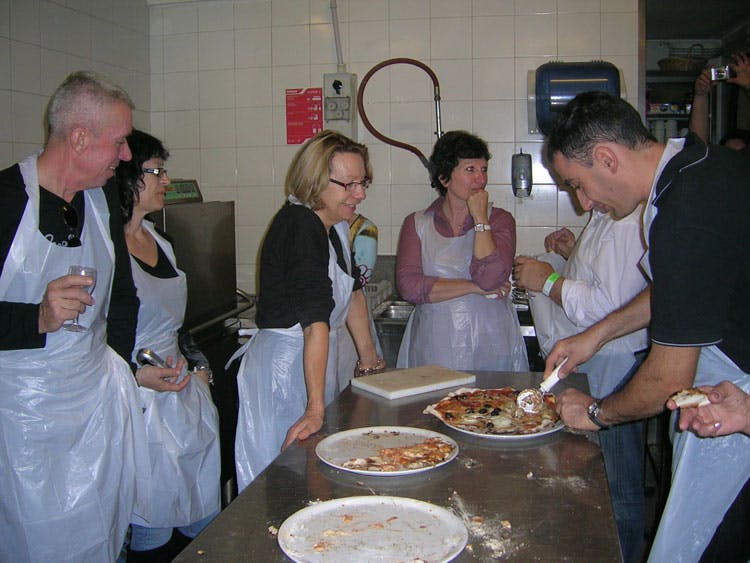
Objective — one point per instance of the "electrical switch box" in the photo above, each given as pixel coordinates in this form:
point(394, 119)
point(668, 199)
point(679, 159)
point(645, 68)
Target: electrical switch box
point(340, 103)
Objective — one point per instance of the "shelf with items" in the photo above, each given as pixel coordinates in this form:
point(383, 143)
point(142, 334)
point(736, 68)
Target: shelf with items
point(669, 100)
point(668, 111)
point(661, 76)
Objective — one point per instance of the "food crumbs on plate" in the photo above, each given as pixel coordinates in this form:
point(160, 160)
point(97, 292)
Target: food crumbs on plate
point(377, 525)
point(477, 519)
point(329, 533)
point(347, 518)
point(505, 524)
point(273, 530)
point(391, 519)
point(320, 546)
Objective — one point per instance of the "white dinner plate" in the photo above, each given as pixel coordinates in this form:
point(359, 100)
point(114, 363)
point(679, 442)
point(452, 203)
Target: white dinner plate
point(556, 427)
point(337, 449)
point(373, 529)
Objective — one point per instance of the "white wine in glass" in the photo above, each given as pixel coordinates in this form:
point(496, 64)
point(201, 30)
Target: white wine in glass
point(75, 326)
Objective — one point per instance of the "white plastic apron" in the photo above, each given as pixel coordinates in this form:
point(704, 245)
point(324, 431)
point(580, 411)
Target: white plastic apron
point(73, 444)
point(606, 369)
point(183, 427)
point(271, 380)
point(612, 363)
point(707, 473)
point(465, 333)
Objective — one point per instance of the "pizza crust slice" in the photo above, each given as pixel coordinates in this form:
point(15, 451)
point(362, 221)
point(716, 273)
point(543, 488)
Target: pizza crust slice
point(690, 398)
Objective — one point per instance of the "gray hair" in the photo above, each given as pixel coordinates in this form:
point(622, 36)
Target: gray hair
point(77, 99)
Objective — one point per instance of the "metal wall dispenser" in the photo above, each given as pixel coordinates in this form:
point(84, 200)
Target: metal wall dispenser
point(521, 179)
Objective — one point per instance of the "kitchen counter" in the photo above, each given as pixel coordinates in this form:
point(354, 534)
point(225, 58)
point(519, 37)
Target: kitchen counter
point(543, 499)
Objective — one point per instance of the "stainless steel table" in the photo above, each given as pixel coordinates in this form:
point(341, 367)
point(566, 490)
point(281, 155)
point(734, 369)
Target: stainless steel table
point(537, 499)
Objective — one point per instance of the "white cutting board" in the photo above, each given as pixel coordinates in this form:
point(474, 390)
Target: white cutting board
point(412, 381)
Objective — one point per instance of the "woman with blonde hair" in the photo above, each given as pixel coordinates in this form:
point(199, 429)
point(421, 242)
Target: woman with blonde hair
point(309, 291)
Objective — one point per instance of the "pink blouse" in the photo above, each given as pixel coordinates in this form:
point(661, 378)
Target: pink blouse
point(488, 273)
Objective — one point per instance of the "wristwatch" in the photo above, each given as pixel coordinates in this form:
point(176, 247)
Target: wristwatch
point(209, 373)
point(594, 409)
point(481, 227)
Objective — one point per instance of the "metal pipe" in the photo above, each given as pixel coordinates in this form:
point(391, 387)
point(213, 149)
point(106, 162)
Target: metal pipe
point(340, 66)
point(380, 136)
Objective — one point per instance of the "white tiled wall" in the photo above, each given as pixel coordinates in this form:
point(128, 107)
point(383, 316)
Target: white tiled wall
point(42, 41)
point(219, 70)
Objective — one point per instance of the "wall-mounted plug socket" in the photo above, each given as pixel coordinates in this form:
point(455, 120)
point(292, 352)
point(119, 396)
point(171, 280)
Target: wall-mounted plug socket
point(340, 103)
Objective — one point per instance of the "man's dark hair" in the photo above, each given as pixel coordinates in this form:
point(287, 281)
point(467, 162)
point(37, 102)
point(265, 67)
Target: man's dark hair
point(448, 150)
point(592, 118)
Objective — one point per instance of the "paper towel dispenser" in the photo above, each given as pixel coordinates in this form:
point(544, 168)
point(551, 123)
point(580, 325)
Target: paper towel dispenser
point(554, 84)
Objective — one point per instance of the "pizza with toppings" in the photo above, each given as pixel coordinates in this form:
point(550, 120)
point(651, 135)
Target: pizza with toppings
point(428, 453)
point(494, 412)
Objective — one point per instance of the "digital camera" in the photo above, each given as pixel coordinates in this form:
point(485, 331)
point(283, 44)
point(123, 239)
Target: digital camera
point(719, 72)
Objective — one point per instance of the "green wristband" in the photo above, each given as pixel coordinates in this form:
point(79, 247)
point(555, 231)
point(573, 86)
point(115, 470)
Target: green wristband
point(553, 277)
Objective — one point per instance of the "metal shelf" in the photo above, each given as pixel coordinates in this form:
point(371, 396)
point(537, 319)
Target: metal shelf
point(661, 77)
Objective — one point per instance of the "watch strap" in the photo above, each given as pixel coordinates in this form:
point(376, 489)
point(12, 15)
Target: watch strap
point(594, 410)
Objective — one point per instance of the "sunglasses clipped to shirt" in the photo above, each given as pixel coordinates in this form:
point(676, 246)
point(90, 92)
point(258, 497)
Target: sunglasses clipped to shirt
point(70, 218)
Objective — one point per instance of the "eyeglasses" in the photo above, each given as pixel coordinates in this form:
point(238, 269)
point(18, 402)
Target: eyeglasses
point(160, 172)
point(364, 184)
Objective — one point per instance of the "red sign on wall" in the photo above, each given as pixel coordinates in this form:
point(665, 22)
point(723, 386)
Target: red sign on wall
point(304, 114)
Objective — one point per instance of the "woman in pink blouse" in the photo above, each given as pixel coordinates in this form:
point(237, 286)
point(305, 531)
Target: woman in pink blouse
point(454, 261)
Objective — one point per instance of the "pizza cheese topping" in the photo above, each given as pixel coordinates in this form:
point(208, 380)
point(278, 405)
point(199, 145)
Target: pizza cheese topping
point(427, 453)
point(493, 411)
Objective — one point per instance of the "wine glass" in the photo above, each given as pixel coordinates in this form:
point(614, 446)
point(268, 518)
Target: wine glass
point(75, 326)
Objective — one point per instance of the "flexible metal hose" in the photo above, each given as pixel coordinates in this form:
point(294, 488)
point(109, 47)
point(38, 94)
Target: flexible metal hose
point(380, 136)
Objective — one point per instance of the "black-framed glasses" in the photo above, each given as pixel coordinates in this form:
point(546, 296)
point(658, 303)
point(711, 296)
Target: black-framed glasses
point(364, 184)
point(160, 172)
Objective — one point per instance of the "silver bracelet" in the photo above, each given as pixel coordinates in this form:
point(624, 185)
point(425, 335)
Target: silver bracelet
point(379, 366)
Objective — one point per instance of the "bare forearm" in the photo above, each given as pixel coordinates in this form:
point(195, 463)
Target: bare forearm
point(667, 370)
point(699, 116)
point(358, 322)
point(315, 361)
point(631, 317)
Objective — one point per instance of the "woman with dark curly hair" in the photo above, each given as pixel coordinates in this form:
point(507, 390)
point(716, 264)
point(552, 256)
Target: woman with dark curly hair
point(454, 261)
point(182, 423)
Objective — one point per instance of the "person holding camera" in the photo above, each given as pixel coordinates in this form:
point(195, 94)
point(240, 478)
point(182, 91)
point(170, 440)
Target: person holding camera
point(738, 139)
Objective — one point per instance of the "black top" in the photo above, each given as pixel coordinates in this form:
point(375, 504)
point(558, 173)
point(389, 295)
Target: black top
point(699, 252)
point(19, 322)
point(163, 268)
point(294, 283)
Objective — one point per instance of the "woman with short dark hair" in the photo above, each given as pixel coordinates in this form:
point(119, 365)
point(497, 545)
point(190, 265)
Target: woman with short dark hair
point(182, 423)
point(454, 261)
